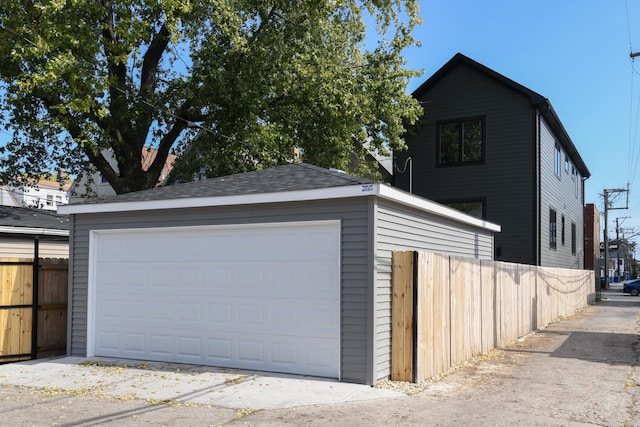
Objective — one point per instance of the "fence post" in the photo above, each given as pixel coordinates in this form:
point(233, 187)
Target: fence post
point(402, 317)
point(34, 313)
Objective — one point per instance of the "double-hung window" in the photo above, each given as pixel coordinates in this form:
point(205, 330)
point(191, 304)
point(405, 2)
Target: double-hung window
point(558, 160)
point(553, 229)
point(474, 208)
point(461, 142)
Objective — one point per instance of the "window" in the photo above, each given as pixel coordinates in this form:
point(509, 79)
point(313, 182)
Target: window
point(552, 229)
point(461, 142)
point(562, 229)
point(49, 199)
point(573, 238)
point(558, 161)
point(566, 164)
point(474, 209)
point(576, 182)
point(103, 180)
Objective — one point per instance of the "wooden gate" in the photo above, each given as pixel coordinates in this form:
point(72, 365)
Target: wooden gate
point(23, 335)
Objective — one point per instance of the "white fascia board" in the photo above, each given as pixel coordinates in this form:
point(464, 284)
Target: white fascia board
point(34, 231)
point(380, 190)
point(434, 208)
point(246, 199)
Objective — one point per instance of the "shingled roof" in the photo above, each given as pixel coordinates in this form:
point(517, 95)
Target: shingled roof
point(18, 218)
point(291, 177)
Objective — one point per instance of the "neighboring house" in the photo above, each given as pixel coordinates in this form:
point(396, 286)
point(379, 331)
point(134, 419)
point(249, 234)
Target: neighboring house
point(91, 184)
point(45, 194)
point(621, 256)
point(7, 198)
point(286, 269)
point(19, 228)
point(498, 151)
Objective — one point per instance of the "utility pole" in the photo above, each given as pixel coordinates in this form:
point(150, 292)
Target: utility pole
point(619, 246)
point(606, 229)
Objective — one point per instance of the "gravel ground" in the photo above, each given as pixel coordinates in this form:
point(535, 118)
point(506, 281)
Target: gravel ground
point(582, 371)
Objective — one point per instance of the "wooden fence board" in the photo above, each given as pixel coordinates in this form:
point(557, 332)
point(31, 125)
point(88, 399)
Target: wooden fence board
point(402, 317)
point(16, 288)
point(487, 278)
point(16, 323)
point(52, 307)
point(466, 306)
point(475, 299)
point(426, 321)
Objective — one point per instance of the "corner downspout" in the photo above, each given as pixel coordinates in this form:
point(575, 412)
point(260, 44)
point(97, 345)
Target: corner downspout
point(538, 139)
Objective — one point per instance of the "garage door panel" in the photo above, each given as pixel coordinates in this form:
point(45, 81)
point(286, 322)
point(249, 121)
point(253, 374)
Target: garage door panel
point(249, 351)
point(134, 343)
point(161, 345)
point(109, 342)
point(265, 298)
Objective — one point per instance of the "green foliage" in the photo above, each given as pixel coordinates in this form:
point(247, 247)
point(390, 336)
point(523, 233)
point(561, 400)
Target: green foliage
point(229, 85)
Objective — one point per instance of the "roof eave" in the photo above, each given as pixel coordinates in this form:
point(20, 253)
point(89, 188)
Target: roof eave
point(35, 231)
point(550, 115)
point(377, 189)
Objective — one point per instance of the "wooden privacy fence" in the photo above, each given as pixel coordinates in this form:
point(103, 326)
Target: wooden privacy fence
point(446, 309)
point(20, 339)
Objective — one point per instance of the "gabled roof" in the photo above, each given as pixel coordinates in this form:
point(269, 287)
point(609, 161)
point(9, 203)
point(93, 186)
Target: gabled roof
point(17, 220)
point(290, 183)
point(537, 100)
point(292, 177)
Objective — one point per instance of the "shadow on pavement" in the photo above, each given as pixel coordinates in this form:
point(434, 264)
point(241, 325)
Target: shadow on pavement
point(605, 347)
point(623, 301)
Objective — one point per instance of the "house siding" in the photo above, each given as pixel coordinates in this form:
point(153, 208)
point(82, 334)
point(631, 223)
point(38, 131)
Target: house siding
point(509, 152)
point(23, 248)
point(401, 228)
point(558, 193)
point(355, 262)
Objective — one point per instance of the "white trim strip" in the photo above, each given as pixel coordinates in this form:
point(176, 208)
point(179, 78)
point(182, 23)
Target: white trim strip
point(408, 199)
point(33, 231)
point(381, 190)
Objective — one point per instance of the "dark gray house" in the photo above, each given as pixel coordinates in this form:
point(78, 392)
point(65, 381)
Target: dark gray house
point(285, 269)
point(498, 151)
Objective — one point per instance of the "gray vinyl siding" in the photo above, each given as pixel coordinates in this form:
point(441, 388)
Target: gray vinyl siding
point(355, 262)
point(400, 228)
point(506, 179)
point(559, 194)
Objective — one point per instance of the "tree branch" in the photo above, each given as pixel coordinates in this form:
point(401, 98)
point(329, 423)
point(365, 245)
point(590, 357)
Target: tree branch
point(152, 59)
point(148, 81)
point(167, 141)
point(117, 73)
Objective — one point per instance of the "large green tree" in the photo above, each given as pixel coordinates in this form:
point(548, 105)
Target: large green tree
point(229, 85)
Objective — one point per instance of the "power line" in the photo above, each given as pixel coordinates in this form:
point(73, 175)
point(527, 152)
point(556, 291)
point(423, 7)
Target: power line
point(633, 150)
point(628, 24)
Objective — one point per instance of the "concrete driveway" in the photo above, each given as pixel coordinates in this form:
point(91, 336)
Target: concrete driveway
point(180, 383)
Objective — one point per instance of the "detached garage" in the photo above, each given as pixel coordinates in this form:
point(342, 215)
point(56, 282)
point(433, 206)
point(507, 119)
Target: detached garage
point(285, 270)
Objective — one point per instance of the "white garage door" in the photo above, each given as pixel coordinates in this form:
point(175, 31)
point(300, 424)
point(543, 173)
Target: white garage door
point(263, 297)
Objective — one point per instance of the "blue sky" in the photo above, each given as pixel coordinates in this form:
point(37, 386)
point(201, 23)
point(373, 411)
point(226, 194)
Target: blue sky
point(573, 52)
